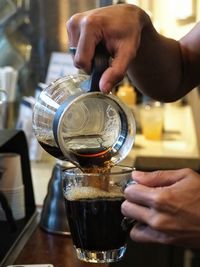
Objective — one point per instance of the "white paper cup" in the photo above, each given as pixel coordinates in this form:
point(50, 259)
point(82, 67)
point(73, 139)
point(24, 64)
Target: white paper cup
point(3, 108)
point(11, 173)
point(16, 202)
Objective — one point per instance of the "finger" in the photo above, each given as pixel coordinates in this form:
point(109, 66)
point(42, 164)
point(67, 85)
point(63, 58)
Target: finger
point(110, 78)
point(146, 196)
point(116, 72)
point(159, 177)
point(160, 221)
point(134, 211)
point(143, 233)
point(85, 53)
point(89, 38)
point(73, 30)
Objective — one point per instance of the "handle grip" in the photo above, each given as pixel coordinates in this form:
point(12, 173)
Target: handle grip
point(99, 65)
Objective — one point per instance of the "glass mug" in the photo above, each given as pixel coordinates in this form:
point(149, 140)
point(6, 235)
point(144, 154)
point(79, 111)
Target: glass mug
point(93, 206)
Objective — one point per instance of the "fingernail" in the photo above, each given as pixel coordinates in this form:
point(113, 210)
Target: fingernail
point(106, 88)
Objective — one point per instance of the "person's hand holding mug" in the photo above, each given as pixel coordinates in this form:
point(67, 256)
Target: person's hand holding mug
point(166, 205)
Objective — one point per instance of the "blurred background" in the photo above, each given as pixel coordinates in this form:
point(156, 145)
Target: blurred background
point(33, 35)
point(34, 48)
point(30, 30)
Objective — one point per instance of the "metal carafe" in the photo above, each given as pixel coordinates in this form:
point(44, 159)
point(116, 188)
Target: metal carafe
point(53, 216)
point(74, 121)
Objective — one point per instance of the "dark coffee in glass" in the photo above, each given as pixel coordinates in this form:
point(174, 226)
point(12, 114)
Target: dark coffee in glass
point(94, 213)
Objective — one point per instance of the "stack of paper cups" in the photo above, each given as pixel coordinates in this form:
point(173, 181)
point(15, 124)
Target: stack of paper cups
point(9, 77)
point(11, 185)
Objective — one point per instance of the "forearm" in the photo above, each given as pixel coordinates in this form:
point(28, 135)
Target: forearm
point(190, 48)
point(160, 67)
point(157, 68)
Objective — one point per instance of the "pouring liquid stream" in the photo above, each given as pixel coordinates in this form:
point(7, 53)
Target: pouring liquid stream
point(90, 160)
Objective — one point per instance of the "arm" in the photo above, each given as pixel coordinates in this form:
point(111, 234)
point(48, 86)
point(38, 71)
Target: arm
point(164, 68)
point(158, 66)
point(190, 47)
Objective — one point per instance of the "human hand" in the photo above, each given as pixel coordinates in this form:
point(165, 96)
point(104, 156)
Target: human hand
point(119, 27)
point(166, 205)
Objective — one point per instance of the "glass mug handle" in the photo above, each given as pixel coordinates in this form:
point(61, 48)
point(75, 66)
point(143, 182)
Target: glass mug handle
point(128, 223)
point(129, 181)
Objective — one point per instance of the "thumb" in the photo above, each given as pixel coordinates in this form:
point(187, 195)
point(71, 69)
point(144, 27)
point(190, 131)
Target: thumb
point(159, 177)
point(110, 78)
point(116, 71)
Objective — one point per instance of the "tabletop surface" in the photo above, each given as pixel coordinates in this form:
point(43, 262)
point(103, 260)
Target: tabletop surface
point(46, 248)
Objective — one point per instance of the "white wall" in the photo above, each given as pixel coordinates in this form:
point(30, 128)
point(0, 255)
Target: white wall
point(165, 13)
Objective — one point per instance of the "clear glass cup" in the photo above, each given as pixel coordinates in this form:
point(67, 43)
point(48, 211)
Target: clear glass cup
point(93, 206)
point(152, 120)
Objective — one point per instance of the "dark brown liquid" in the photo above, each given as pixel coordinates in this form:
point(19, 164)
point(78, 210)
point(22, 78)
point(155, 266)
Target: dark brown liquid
point(87, 159)
point(96, 224)
point(90, 161)
point(52, 150)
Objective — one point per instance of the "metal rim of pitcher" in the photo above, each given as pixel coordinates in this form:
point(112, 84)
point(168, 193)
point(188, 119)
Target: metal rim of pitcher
point(57, 122)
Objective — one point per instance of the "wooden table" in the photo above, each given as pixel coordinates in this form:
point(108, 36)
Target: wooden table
point(47, 248)
point(43, 248)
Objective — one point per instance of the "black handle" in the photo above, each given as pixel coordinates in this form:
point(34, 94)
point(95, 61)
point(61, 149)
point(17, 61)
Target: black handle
point(99, 65)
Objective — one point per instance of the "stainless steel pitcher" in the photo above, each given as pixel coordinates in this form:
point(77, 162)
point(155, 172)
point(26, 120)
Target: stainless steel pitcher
point(74, 121)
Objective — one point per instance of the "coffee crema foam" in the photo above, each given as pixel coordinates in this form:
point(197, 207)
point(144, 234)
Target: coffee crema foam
point(78, 193)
